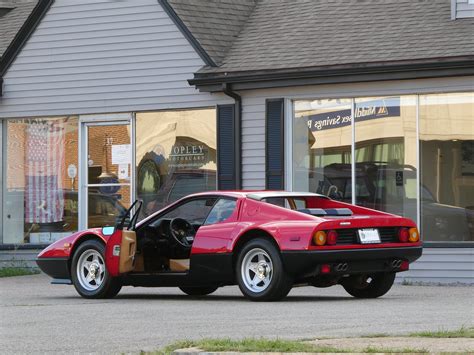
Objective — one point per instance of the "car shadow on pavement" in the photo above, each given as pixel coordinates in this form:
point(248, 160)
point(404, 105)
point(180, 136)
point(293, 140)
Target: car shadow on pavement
point(212, 298)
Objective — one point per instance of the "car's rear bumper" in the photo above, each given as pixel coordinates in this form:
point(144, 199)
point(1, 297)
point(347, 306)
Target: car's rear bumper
point(308, 262)
point(57, 268)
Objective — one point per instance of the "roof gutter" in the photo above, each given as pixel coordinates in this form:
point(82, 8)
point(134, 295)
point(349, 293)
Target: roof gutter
point(227, 89)
point(362, 72)
point(22, 37)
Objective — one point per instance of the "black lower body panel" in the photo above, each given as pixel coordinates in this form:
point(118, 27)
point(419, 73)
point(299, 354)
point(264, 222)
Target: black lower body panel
point(358, 260)
point(204, 270)
point(57, 268)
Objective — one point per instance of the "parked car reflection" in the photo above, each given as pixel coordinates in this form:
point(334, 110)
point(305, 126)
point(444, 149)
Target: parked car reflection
point(377, 188)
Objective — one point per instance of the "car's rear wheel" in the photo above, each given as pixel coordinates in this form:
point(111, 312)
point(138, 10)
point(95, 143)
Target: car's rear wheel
point(198, 291)
point(89, 273)
point(260, 272)
point(369, 286)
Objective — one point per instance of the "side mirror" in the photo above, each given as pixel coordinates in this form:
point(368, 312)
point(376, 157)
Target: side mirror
point(108, 230)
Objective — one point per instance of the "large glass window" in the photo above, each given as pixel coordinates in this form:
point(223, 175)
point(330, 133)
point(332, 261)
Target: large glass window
point(386, 160)
point(175, 154)
point(447, 166)
point(322, 147)
point(385, 154)
point(40, 179)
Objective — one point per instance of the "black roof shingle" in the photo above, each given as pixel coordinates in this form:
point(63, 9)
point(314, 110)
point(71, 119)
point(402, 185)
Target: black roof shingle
point(215, 24)
point(13, 20)
point(308, 33)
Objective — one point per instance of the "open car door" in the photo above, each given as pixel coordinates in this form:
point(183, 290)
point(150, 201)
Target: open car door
point(122, 244)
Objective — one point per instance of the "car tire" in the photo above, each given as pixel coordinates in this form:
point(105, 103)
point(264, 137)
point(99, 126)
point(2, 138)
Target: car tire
point(198, 291)
point(260, 273)
point(89, 274)
point(369, 286)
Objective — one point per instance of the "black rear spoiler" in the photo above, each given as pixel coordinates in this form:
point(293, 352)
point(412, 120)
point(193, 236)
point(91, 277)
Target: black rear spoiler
point(320, 212)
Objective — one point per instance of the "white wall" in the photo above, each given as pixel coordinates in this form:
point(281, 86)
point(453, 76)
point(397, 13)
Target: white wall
point(96, 56)
point(442, 265)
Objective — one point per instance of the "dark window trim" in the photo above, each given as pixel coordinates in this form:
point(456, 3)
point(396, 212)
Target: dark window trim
point(22, 36)
point(187, 33)
point(234, 150)
point(282, 148)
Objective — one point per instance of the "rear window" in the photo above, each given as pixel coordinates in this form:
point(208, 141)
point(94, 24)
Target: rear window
point(292, 203)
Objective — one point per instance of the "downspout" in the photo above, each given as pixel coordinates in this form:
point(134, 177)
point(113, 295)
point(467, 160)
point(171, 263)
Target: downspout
point(227, 89)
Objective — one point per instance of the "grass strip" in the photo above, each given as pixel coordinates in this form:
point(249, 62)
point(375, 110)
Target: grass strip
point(462, 332)
point(248, 345)
point(371, 350)
point(267, 345)
point(17, 271)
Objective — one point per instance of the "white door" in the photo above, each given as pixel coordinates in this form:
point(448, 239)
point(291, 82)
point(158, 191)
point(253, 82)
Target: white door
point(106, 172)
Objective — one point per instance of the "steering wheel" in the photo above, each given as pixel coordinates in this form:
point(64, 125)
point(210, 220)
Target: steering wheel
point(182, 232)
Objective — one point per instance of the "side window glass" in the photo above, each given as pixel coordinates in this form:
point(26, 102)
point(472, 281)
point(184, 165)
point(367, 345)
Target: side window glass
point(222, 210)
point(194, 211)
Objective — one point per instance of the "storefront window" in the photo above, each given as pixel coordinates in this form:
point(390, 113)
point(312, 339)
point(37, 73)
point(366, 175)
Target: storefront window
point(447, 166)
point(386, 162)
point(40, 179)
point(175, 155)
point(322, 147)
point(385, 154)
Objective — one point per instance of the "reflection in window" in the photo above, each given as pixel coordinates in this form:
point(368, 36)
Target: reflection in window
point(175, 154)
point(385, 154)
point(222, 210)
point(447, 166)
point(322, 147)
point(40, 196)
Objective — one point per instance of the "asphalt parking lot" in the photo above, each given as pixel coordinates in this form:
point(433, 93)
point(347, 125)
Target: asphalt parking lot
point(37, 317)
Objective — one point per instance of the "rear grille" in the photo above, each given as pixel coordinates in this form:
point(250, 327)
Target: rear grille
point(349, 236)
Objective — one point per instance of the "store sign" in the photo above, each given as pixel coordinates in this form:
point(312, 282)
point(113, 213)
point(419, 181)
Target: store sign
point(368, 110)
point(189, 155)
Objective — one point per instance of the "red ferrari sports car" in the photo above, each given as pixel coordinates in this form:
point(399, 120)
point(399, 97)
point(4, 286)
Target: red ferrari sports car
point(264, 241)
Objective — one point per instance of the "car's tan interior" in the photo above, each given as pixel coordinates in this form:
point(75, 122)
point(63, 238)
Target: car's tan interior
point(179, 265)
point(139, 263)
point(128, 248)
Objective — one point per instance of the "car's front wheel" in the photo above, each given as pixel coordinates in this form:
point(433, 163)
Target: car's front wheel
point(89, 273)
point(260, 272)
point(369, 286)
point(198, 291)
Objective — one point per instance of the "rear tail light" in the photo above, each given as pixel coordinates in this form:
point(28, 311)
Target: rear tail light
point(414, 235)
point(332, 237)
point(319, 238)
point(403, 235)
